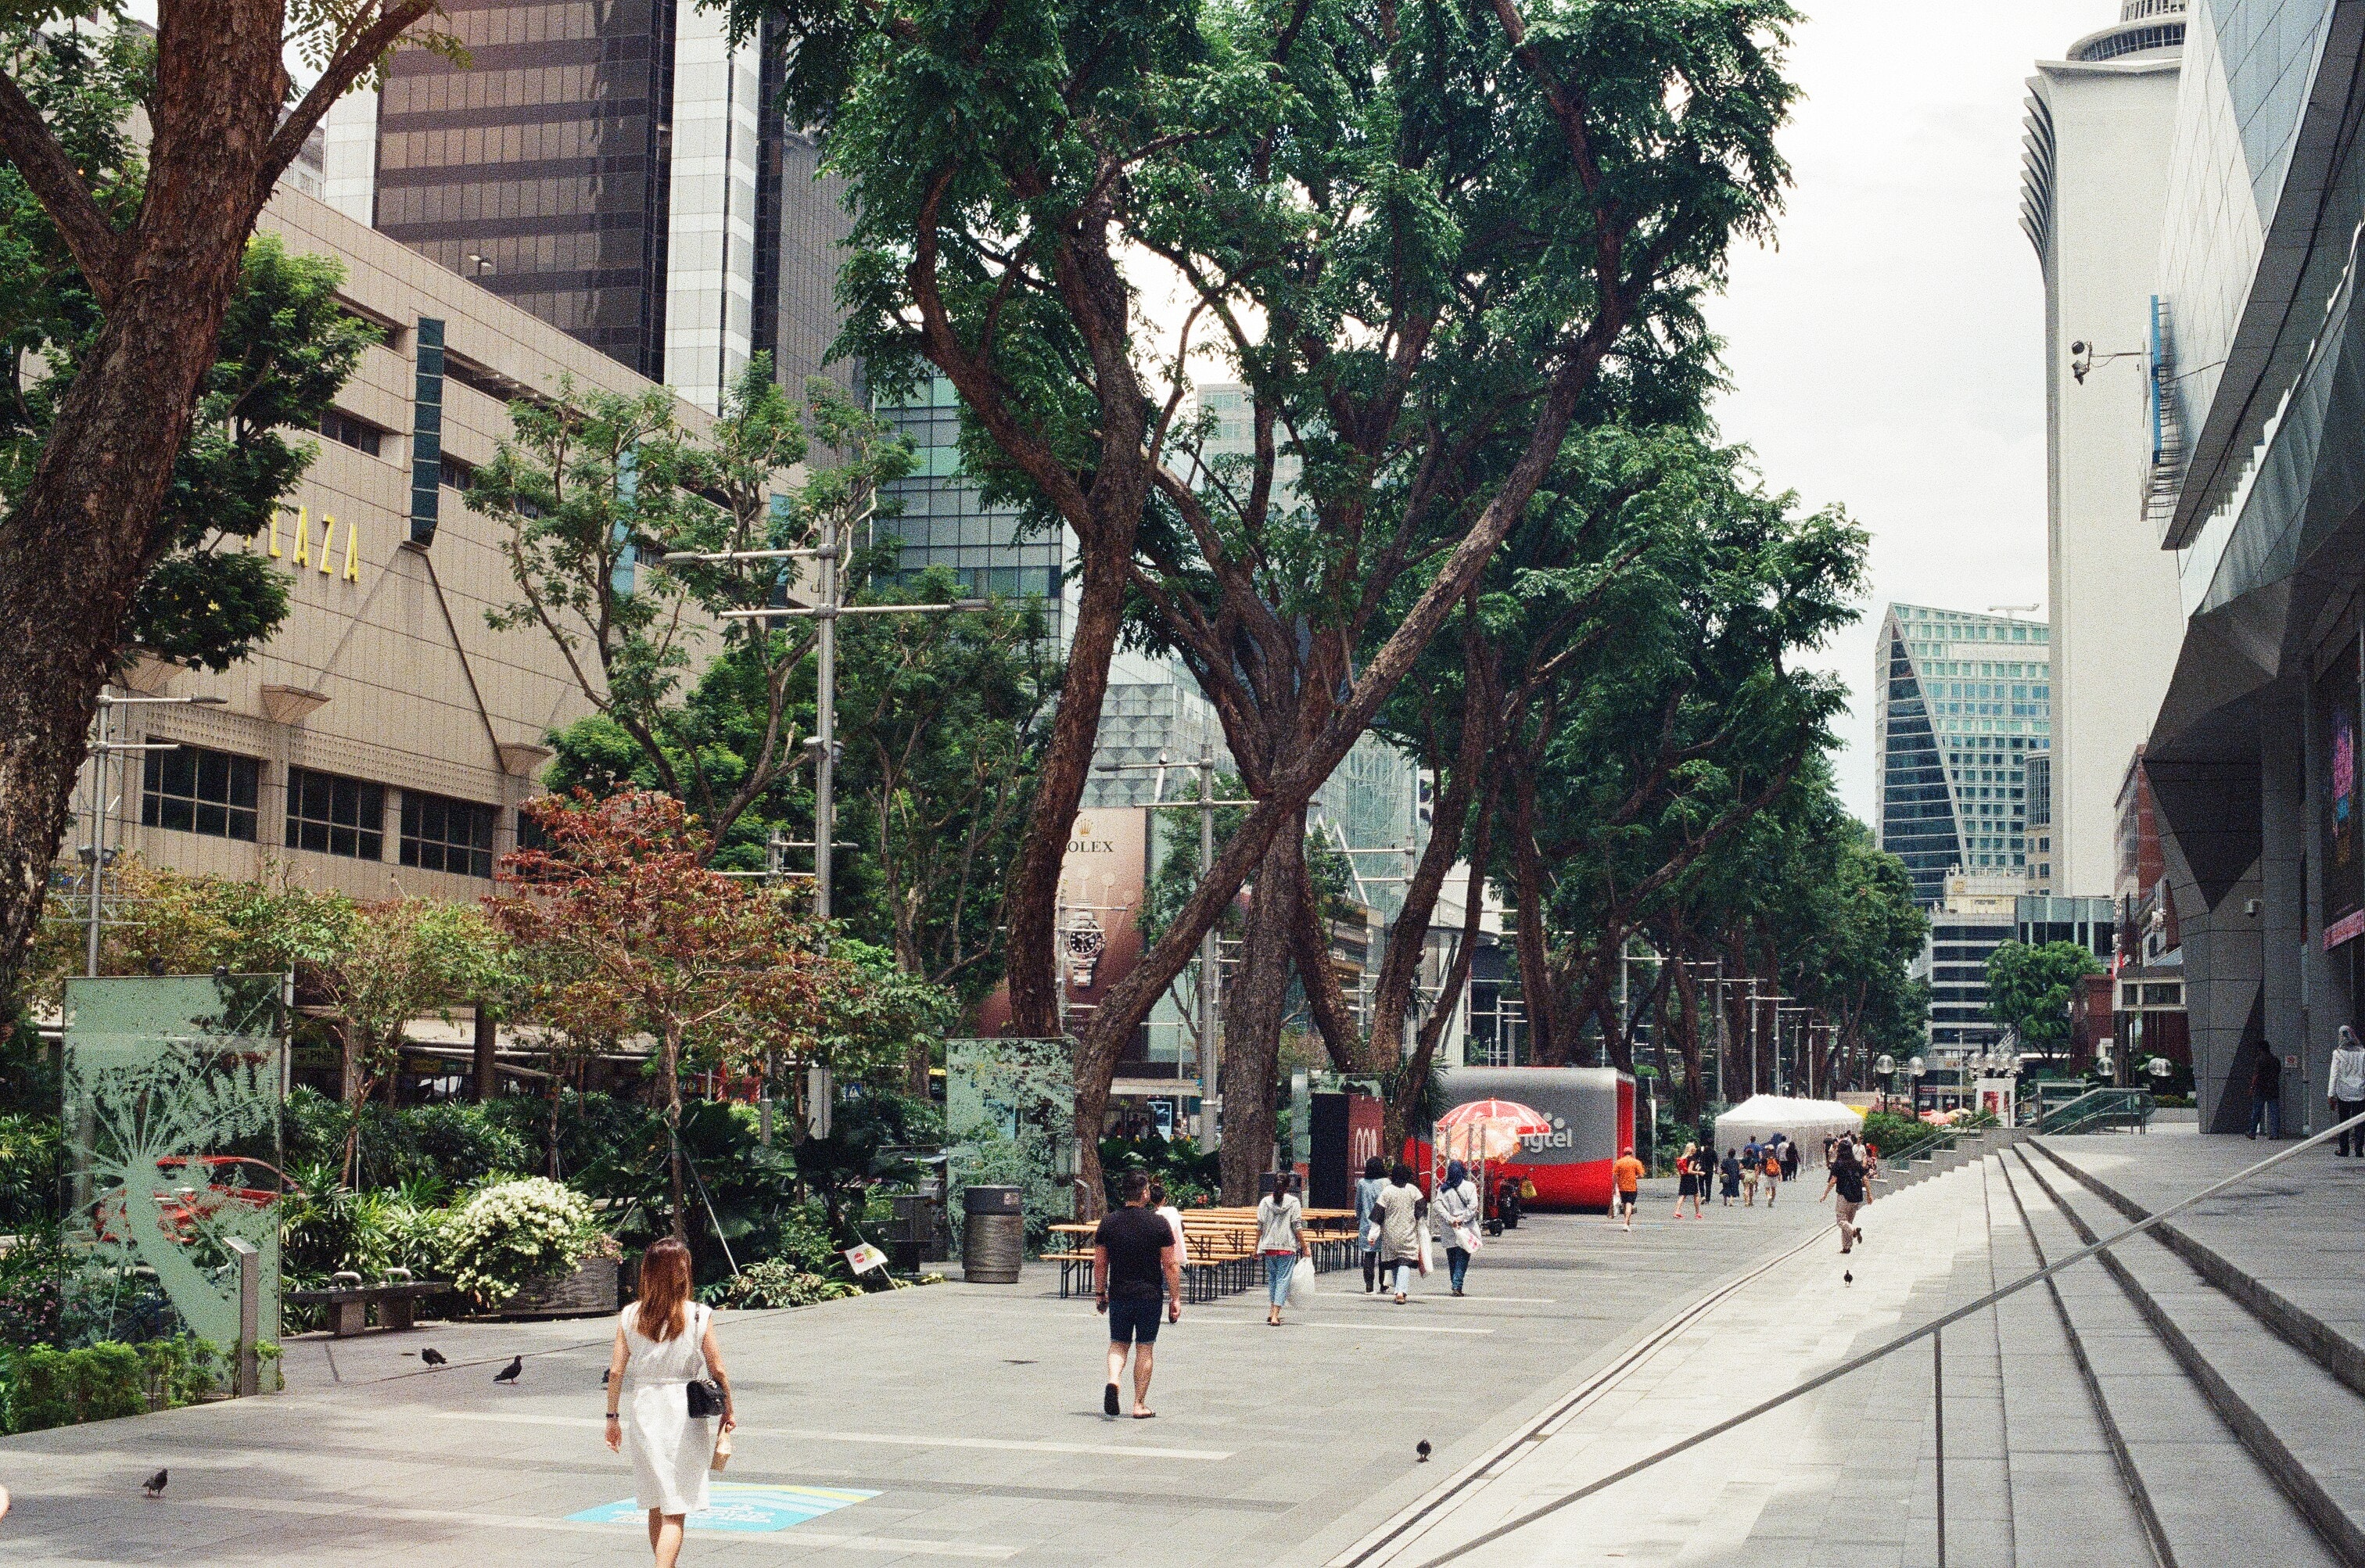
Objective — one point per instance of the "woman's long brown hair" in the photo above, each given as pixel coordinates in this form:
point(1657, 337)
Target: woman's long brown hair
point(665, 1289)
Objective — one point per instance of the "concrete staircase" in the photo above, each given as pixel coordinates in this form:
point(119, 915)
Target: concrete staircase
point(1968, 1149)
point(2162, 1405)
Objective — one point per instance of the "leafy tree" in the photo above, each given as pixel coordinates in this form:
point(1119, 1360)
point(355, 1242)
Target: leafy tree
point(2030, 988)
point(628, 935)
point(595, 488)
point(89, 519)
point(1410, 234)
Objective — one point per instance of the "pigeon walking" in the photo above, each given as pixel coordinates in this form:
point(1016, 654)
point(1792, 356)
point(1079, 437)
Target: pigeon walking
point(1848, 1278)
point(433, 1357)
point(510, 1373)
point(1420, 1450)
point(154, 1484)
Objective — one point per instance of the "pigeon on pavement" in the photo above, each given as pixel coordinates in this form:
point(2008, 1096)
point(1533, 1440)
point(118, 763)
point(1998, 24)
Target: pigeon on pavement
point(433, 1357)
point(1421, 1449)
point(1847, 1277)
point(154, 1484)
point(510, 1373)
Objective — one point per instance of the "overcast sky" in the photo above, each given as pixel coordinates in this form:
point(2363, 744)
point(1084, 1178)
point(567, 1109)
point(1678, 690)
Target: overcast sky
point(1887, 353)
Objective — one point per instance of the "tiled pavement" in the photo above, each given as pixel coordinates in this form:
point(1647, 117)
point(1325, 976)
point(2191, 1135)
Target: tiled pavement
point(972, 1412)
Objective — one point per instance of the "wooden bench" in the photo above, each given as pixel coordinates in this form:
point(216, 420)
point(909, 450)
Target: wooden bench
point(349, 1304)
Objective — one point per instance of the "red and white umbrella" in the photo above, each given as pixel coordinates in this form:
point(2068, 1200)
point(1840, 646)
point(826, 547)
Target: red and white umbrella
point(1489, 1129)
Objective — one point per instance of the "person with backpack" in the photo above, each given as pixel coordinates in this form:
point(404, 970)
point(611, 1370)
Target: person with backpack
point(1689, 1175)
point(1847, 1178)
point(1752, 1166)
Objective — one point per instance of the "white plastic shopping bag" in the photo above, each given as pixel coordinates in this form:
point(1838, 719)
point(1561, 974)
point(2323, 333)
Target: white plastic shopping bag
point(1301, 1282)
point(1426, 1261)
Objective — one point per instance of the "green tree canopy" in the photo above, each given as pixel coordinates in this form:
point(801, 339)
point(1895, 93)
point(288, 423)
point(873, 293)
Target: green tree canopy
point(2030, 988)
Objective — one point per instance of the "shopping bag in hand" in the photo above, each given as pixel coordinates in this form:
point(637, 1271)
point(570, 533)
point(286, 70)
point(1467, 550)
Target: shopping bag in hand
point(1426, 1264)
point(721, 1452)
point(1301, 1282)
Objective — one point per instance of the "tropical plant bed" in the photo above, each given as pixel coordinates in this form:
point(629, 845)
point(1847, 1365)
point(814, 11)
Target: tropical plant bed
point(588, 1290)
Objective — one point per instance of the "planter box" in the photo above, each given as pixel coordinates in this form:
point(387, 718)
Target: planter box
point(588, 1291)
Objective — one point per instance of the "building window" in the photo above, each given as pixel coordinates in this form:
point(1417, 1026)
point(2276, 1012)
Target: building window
point(334, 816)
point(347, 431)
point(193, 789)
point(442, 834)
point(453, 473)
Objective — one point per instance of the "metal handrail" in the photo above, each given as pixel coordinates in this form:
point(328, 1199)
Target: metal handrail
point(1930, 1330)
point(2096, 1105)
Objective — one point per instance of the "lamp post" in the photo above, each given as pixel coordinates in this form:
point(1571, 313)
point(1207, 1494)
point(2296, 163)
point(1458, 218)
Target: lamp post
point(1885, 1065)
point(1914, 1067)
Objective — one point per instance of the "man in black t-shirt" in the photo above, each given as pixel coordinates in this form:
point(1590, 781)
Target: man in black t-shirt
point(1134, 1274)
point(1847, 1177)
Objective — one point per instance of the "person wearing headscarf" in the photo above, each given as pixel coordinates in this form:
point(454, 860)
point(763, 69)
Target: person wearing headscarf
point(1457, 1206)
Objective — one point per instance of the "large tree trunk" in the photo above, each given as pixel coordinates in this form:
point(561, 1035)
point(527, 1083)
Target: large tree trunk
point(1252, 1020)
point(1310, 935)
point(1449, 994)
point(1545, 1044)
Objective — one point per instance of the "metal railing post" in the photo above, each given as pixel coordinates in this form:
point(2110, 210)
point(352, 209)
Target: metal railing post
point(1938, 1412)
point(246, 1374)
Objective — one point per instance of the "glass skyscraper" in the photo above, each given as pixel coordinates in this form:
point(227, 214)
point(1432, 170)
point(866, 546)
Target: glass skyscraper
point(1962, 700)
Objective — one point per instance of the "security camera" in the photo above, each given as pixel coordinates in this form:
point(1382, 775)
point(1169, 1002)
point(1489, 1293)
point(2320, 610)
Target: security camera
point(2081, 360)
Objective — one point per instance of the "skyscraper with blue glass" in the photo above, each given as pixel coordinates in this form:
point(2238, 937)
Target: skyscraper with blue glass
point(1961, 701)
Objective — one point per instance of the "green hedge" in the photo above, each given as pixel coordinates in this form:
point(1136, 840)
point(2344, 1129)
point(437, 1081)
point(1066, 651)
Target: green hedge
point(45, 1386)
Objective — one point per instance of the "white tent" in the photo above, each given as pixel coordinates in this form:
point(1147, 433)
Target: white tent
point(1806, 1122)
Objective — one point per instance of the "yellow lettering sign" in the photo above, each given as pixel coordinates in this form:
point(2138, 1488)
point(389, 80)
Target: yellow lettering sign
point(303, 538)
point(352, 553)
point(328, 531)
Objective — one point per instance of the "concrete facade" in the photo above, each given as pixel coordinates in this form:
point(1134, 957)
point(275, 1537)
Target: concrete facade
point(2094, 193)
point(384, 672)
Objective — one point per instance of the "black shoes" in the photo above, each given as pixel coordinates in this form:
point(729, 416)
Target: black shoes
point(1108, 1400)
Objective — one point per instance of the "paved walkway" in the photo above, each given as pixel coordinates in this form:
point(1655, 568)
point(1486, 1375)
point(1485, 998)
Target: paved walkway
point(955, 1422)
point(1840, 1476)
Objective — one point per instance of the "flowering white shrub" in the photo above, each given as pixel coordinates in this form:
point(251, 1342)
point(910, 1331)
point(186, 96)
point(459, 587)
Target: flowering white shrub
point(510, 1233)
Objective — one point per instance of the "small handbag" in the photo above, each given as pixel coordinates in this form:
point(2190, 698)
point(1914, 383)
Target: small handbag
point(722, 1453)
point(705, 1398)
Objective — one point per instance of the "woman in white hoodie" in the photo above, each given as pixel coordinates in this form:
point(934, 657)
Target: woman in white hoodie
point(2346, 1088)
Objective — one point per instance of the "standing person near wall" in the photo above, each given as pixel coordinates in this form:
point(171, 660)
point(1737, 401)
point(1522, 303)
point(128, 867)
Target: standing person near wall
point(2347, 1087)
point(1399, 1211)
point(1367, 1225)
point(1457, 1205)
point(1281, 1242)
point(2267, 1093)
point(1134, 1273)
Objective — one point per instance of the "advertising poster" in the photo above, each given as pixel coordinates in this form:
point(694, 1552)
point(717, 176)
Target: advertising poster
point(2336, 716)
point(1101, 879)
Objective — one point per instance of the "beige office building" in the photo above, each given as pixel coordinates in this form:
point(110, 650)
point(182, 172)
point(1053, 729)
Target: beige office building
point(383, 738)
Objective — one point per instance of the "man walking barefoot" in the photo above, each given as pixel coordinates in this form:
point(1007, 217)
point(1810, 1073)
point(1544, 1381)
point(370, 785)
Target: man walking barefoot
point(1134, 1274)
point(1627, 1175)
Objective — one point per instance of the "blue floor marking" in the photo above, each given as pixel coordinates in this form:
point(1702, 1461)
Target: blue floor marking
point(739, 1506)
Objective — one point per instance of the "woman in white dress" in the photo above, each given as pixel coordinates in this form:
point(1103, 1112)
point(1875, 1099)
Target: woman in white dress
point(664, 1342)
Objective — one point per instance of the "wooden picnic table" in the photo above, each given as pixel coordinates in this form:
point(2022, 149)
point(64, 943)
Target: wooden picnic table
point(1220, 1243)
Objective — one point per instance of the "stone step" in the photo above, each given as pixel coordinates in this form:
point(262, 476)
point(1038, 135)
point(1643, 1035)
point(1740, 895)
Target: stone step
point(2214, 1502)
point(2075, 1501)
point(2298, 1421)
point(2335, 1346)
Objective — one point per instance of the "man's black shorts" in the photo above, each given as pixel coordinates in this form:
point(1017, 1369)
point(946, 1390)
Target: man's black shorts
point(1135, 1321)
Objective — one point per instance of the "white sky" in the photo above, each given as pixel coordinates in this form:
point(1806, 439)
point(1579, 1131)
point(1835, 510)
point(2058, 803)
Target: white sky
point(1887, 354)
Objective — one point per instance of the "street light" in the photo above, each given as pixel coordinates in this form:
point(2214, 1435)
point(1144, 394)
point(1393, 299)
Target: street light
point(1914, 1069)
point(1885, 1065)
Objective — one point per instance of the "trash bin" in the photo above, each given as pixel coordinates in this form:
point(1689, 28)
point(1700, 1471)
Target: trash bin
point(993, 1235)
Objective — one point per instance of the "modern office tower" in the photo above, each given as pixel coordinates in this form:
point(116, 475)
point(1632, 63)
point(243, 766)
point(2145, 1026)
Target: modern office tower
point(618, 171)
point(2094, 196)
point(2038, 768)
point(1961, 700)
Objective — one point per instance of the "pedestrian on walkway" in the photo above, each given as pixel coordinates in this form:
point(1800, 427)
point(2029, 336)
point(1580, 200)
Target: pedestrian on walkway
point(2347, 1087)
point(2267, 1093)
point(1690, 1173)
point(1752, 1166)
point(1281, 1241)
point(1134, 1274)
point(1457, 1207)
point(1847, 1177)
point(1772, 1174)
point(1627, 1176)
point(1173, 1218)
point(665, 1342)
point(1399, 1210)
point(1731, 1171)
point(1367, 1226)
point(1790, 1158)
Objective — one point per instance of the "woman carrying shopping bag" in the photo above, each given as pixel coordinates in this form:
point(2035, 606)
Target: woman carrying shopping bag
point(1402, 1234)
point(1281, 1239)
point(1457, 1207)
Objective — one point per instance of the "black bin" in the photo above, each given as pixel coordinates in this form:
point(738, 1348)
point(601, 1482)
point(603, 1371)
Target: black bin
point(993, 1235)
